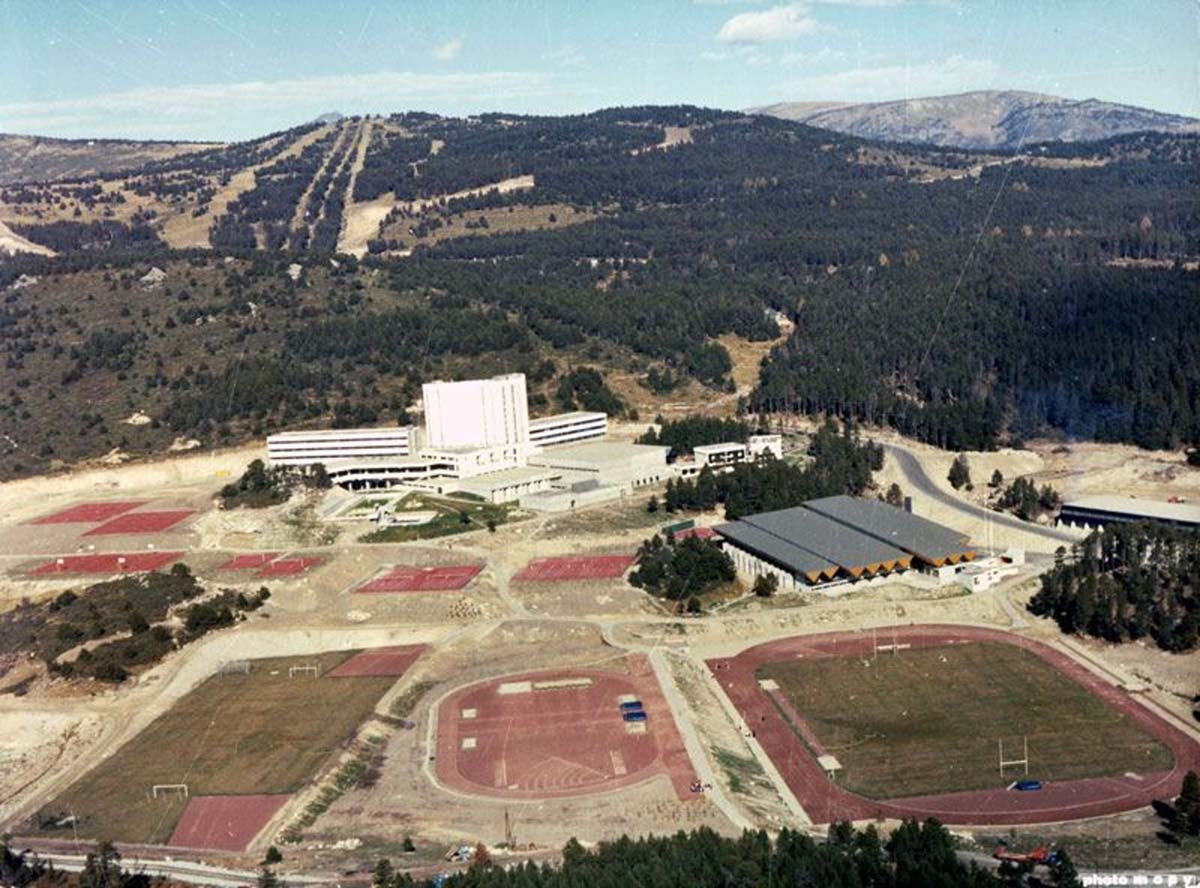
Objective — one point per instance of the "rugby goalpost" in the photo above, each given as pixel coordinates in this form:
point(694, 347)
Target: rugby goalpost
point(308, 669)
point(1022, 762)
point(160, 789)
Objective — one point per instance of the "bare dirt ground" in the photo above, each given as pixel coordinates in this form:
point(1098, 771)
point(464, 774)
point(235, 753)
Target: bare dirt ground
point(356, 165)
point(362, 219)
point(344, 133)
point(11, 242)
point(184, 230)
point(672, 136)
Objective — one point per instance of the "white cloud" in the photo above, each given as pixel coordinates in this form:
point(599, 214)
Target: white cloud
point(887, 82)
point(448, 51)
point(210, 110)
point(769, 25)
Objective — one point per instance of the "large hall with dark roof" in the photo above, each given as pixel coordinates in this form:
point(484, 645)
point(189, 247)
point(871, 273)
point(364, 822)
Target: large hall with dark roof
point(838, 539)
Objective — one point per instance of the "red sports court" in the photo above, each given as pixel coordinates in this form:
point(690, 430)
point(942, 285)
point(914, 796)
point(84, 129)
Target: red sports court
point(583, 567)
point(386, 661)
point(249, 561)
point(423, 579)
point(89, 513)
point(286, 567)
point(559, 733)
point(141, 522)
point(108, 563)
point(224, 823)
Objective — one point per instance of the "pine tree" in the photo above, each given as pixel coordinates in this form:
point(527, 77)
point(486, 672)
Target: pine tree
point(102, 869)
point(1187, 806)
point(383, 874)
point(960, 472)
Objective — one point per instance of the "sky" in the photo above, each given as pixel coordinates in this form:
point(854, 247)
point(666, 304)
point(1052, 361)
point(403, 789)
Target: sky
point(226, 69)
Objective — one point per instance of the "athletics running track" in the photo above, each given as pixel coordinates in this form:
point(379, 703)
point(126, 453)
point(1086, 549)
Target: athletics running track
point(1057, 801)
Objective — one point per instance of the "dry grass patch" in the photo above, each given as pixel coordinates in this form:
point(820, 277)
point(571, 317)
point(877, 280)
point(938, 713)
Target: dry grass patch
point(237, 734)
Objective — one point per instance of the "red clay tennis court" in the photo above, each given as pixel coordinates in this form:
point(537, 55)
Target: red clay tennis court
point(385, 661)
point(224, 823)
point(253, 561)
point(560, 733)
point(89, 513)
point(702, 533)
point(422, 579)
point(134, 562)
point(141, 522)
point(583, 567)
point(286, 567)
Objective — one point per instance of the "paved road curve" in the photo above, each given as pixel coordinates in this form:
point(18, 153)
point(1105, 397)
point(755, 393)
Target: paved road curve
point(919, 480)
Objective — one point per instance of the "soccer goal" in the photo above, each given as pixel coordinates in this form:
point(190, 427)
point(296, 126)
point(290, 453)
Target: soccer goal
point(234, 667)
point(293, 671)
point(162, 789)
point(1022, 762)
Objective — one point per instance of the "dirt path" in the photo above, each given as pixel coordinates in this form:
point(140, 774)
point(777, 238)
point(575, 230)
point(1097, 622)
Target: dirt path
point(185, 230)
point(302, 204)
point(356, 165)
point(11, 242)
point(672, 136)
point(362, 220)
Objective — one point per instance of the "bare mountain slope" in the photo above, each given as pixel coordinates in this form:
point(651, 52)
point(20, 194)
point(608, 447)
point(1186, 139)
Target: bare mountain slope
point(39, 159)
point(988, 119)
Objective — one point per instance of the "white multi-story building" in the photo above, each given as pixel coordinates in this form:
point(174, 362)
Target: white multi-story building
point(567, 428)
point(478, 439)
point(477, 413)
point(760, 444)
point(719, 456)
point(304, 448)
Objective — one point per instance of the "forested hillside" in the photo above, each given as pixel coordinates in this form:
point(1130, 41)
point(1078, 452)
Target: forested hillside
point(967, 299)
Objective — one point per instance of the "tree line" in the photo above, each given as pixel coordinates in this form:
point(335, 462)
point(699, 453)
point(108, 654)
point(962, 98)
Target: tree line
point(916, 855)
point(1127, 582)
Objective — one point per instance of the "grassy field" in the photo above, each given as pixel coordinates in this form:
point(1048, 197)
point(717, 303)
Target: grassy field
point(928, 721)
point(260, 732)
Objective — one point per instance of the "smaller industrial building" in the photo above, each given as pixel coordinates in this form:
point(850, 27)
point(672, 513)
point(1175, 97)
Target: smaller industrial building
point(608, 462)
point(839, 539)
point(1095, 512)
point(722, 457)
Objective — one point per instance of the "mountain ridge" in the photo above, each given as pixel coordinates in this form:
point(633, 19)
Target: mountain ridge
point(982, 119)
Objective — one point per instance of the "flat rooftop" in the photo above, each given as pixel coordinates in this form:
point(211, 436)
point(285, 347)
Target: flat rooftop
point(344, 434)
point(504, 477)
point(1185, 513)
point(573, 416)
point(595, 452)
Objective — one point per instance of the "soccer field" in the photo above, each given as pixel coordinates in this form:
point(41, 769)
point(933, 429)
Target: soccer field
point(929, 720)
point(236, 734)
